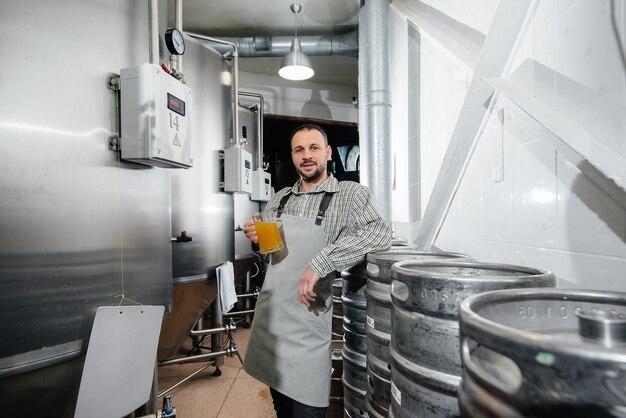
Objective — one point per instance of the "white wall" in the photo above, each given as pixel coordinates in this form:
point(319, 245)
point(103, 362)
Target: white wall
point(545, 212)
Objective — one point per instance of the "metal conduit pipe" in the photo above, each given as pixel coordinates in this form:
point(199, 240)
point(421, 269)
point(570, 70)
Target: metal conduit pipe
point(225, 328)
point(259, 125)
point(179, 26)
point(277, 46)
point(153, 31)
point(199, 357)
point(171, 388)
point(248, 295)
point(249, 311)
point(375, 104)
point(235, 55)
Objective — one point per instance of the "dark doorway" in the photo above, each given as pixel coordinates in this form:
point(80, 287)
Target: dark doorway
point(343, 138)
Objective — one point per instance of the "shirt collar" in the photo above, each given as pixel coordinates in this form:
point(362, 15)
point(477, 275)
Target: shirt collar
point(330, 185)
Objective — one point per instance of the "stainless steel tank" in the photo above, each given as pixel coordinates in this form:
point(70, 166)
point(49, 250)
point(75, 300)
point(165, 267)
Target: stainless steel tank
point(424, 349)
point(87, 227)
point(81, 227)
point(199, 207)
point(378, 319)
point(543, 353)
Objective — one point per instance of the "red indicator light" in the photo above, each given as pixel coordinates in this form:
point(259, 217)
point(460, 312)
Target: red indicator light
point(175, 104)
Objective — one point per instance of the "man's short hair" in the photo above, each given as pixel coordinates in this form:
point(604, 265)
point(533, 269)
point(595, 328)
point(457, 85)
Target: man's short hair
point(309, 127)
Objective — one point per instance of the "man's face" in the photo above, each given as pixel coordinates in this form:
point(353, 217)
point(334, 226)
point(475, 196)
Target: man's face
point(309, 154)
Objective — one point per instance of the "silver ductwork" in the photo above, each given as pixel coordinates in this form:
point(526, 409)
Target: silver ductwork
point(375, 104)
point(277, 46)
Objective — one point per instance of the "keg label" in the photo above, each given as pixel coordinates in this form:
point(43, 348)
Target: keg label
point(526, 312)
point(396, 393)
point(444, 296)
point(370, 321)
point(539, 312)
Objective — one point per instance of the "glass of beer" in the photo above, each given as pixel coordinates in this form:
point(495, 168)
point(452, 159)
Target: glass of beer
point(269, 232)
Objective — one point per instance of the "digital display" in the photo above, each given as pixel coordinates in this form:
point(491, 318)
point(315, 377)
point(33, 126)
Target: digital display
point(267, 181)
point(175, 104)
point(247, 164)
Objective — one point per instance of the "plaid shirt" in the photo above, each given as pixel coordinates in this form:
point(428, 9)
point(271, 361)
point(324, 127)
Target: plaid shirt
point(352, 225)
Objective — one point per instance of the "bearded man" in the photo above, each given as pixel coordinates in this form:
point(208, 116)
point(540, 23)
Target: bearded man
point(328, 226)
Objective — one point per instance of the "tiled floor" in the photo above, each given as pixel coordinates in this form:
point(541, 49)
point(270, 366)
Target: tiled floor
point(234, 394)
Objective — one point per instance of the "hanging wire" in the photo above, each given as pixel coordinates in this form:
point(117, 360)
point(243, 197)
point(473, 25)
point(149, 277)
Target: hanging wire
point(121, 295)
point(295, 24)
point(295, 8)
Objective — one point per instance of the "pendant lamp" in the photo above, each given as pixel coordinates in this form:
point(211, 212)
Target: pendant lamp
point(296, 65)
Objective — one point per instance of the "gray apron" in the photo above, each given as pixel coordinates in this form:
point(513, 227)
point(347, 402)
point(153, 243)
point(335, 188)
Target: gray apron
point(289, 347)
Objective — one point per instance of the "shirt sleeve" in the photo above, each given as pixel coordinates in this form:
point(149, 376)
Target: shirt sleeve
point(364, 232)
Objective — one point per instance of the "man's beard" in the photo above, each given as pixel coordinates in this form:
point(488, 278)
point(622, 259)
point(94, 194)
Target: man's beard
point(314, 176)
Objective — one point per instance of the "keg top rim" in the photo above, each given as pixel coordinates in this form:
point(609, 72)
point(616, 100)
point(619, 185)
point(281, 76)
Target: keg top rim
point(471, 321)
point(391, 255)
point(425, 267)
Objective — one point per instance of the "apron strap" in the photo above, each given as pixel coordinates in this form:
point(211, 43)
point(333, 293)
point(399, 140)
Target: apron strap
point(323, 206)
point(281, 205)
point(321, 212)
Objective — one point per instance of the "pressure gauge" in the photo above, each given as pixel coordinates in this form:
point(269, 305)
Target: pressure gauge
point(174, 41)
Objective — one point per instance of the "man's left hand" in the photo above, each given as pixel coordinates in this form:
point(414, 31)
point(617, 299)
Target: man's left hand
point(308, 280)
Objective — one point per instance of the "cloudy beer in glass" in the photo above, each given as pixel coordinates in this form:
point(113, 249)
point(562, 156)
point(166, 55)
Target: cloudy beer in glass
point(269, 234)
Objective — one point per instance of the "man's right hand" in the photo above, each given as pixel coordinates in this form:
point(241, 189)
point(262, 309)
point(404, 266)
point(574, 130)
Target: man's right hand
point(250, 230)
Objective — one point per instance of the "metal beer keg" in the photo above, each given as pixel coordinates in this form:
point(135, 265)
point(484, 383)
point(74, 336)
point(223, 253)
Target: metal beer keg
point(355, 344)
point(401, 243)
point(354, 383)
point(354, 303)
point(335, 407)
point(378, 318)
point(424, 349)
point(337, 321)
point(543, 353)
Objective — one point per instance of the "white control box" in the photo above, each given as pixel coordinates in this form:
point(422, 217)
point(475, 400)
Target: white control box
point(261, 185)
point(237, 170)
point(155, 110)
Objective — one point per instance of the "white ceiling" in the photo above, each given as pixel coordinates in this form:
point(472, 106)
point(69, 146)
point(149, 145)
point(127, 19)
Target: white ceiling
point(238, 18)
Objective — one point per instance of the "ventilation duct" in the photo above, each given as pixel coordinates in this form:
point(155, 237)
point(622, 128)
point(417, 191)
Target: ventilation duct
point(375, 104)
point(278, 46)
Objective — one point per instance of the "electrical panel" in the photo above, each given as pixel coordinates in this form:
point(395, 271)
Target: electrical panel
point(237, 170)
point(261, 185)
point(155, 112)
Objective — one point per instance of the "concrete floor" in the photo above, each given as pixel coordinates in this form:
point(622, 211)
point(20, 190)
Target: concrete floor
point(234, 394)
